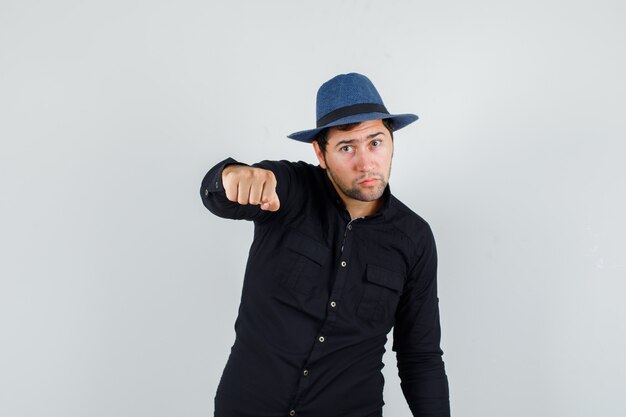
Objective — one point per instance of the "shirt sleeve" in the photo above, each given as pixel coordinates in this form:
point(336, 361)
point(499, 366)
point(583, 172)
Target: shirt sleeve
point(417, 336)
point(214, 197)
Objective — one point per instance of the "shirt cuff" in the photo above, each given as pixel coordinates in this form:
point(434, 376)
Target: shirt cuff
point(213, 180)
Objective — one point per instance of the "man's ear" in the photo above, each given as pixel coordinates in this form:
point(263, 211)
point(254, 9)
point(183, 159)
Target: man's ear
point(319, 154)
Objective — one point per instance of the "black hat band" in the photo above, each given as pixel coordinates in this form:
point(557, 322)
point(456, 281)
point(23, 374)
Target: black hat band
point(350, 111)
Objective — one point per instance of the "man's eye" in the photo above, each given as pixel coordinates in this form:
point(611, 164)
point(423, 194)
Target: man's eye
point(346, 148)
point(376, 143)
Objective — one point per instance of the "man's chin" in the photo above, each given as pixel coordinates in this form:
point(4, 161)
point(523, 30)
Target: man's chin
point(366, 196)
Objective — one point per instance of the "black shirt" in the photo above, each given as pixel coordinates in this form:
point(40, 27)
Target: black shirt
point(320, 294)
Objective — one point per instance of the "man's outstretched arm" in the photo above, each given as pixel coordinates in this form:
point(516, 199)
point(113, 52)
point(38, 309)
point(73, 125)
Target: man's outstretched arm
point(235, 190)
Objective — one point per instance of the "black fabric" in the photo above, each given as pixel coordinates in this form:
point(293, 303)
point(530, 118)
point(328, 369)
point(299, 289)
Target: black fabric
point(320, 294)
point(351, 110)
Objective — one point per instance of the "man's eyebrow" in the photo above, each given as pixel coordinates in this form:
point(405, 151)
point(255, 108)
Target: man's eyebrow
point(351, 141)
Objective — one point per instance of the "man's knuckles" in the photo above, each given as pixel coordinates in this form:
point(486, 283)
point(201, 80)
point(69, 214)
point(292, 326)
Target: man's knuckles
point(255, 174)
point(253, 181)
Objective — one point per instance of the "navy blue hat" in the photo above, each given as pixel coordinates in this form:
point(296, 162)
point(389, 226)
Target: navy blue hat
point(350, 98)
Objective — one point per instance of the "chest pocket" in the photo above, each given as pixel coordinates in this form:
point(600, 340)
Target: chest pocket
point(304, 260)
point(381, 294)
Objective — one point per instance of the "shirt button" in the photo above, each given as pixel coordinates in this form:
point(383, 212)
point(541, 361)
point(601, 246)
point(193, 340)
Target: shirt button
point(349, 227)
point(344, 263)
point(306, 372)
point(217, 184)
point(206, 192)
point(292, 413)
point(321, 339)
point(333, 304)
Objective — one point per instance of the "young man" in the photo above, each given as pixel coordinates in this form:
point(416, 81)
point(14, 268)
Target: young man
point(336, 262)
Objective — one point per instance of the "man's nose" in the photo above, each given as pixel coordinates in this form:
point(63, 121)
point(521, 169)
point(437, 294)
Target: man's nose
point(364, 161)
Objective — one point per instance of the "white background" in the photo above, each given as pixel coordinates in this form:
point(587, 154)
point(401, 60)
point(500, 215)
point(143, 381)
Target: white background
point(119, 290)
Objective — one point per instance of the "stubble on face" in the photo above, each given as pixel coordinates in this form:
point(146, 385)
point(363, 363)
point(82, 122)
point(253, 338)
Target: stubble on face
point(357, 191)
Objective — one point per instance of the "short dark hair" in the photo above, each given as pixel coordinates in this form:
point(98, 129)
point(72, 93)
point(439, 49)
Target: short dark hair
point(322, 136)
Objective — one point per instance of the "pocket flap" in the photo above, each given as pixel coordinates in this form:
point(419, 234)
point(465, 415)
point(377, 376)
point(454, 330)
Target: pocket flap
point(308, 247)
point(384, 277)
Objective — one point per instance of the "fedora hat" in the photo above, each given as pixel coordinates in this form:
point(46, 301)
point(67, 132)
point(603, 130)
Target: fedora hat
point(349, 98)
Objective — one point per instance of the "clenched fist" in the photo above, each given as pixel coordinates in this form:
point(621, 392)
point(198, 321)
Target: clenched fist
point(249, 185)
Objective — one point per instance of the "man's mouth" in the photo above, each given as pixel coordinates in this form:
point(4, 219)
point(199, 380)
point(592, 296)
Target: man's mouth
point(368, 182)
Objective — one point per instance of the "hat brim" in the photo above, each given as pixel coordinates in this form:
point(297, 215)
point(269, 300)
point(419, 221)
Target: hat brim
point(399, 121)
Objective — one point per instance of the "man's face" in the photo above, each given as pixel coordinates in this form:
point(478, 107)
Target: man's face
point(358, 161)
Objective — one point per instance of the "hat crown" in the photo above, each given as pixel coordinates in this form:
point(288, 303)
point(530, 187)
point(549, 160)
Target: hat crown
point(346, 90)
point(350, 98)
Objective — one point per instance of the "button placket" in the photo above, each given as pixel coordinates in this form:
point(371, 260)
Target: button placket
point(340, 279)
point(322, 340)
